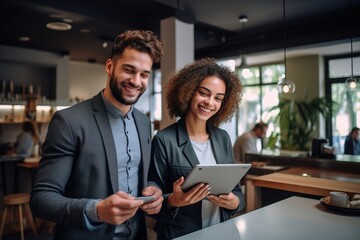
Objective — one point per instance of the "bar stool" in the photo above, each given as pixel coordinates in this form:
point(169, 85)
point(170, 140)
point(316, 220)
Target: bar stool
point(20, 200)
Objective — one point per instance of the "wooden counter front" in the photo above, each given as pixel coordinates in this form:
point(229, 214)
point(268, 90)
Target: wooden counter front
point(344, 163)
point(294, 183)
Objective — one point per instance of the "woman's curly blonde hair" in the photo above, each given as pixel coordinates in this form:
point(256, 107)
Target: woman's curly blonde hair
point(181, 88)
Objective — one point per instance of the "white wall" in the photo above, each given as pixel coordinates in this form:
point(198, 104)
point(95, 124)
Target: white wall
point(230, 127)
point(307, 72)
point(87, 79)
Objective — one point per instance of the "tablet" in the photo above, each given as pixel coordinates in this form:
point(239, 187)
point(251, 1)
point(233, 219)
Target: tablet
point(222, 178)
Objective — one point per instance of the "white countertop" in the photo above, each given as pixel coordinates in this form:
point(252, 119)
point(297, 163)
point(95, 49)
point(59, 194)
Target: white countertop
point(294, 218)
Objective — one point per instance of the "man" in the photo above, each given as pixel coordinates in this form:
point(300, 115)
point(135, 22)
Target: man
point(352, 142)
point(96, 154)
point(247, 142)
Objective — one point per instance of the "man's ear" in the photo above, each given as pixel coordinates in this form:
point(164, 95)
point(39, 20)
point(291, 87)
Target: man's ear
point(108, 66)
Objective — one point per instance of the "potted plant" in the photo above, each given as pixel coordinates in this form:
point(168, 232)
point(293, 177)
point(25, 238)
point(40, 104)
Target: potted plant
point(298, 119)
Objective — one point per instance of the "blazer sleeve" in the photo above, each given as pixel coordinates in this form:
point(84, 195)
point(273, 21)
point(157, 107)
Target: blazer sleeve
point(159, 175)
point(47, 197)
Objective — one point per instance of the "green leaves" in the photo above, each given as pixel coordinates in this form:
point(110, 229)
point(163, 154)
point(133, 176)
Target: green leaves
point(298, 119)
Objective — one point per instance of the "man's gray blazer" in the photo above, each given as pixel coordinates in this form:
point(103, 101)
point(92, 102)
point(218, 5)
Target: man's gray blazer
point(79, 163)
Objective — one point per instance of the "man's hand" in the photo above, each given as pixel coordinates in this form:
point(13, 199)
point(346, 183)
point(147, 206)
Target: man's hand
point(117, 208)
point(154, 206)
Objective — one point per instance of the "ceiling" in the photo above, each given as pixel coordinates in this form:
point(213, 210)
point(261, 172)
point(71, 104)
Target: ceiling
point(218, 33)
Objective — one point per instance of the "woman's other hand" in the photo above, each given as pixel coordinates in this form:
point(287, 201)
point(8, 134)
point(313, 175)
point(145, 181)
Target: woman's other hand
point(229, 201)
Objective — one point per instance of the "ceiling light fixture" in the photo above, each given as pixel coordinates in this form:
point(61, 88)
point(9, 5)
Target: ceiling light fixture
point(243, 63)
point(24, 39)
point(58, 26)
point(84, 30)
point(243, 19)
point(352, 82)
point(286, 86)
point(105, 41)
point(68, 20)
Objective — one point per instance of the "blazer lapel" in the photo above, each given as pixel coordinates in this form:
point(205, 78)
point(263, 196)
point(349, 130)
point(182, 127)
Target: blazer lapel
point(184, 140)
point(102, 120)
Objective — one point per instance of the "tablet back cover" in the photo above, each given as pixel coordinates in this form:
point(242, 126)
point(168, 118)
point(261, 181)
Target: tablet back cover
point(221, 177)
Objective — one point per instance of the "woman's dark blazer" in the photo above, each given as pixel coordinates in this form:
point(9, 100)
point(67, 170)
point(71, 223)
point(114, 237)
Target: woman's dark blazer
point(79, 163)
point(172, 157)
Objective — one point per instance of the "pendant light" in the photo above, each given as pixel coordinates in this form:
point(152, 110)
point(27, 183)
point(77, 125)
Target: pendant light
point(285, 86)
point(243, 19)
point(352, 83)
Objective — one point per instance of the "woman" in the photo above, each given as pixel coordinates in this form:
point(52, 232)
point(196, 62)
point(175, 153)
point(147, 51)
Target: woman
point(203, 95)
point(26, 140)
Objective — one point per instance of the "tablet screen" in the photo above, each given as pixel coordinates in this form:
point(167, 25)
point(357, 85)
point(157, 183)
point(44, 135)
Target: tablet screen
point(222, 178)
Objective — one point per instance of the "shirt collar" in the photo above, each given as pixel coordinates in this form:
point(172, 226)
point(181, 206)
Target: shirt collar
point(115, 112)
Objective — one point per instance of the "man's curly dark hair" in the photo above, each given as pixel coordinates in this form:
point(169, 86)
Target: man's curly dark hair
point(141, 40)
point(181, 89)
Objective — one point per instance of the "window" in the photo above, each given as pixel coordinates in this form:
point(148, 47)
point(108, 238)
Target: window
point(347, 112)
point(155, 113)
point(260, 94)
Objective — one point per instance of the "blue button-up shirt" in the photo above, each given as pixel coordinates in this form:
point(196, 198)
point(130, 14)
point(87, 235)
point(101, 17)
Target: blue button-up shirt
point(128, 155)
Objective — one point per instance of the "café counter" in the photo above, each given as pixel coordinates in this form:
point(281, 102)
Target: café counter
point(274, 177)
point(340, 162)
point(295, 218)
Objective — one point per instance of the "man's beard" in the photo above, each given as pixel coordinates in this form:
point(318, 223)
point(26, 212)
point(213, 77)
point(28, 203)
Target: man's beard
point(117, 92)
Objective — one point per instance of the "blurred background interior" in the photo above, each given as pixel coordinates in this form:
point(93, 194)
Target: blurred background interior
point(305, 53)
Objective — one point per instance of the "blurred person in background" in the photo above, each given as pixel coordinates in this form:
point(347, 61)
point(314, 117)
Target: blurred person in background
point(247, 142)
point(27, 141)
point(352, 142)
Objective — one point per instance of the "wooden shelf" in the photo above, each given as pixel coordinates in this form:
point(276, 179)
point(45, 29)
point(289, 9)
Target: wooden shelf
point(19, 122)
